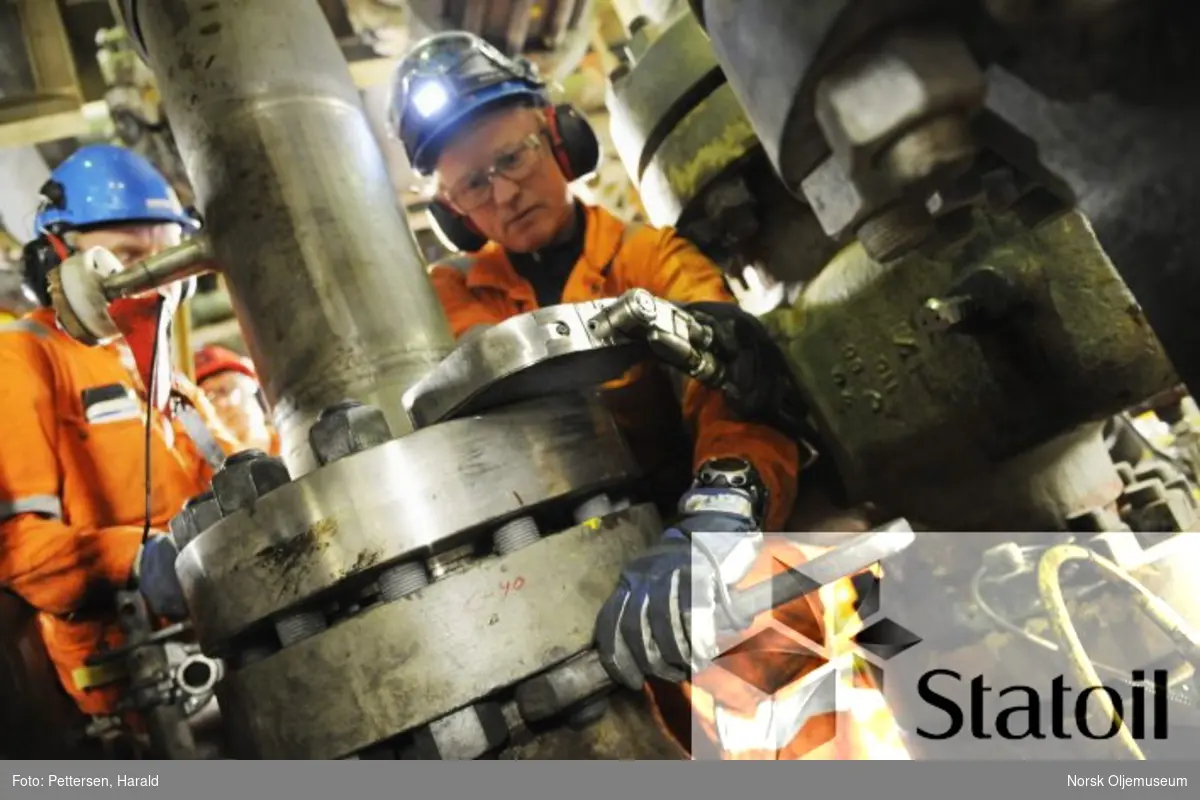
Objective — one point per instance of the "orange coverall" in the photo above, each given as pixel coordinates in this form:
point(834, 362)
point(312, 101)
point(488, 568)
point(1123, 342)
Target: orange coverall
point(483, 288)
point(72, 483)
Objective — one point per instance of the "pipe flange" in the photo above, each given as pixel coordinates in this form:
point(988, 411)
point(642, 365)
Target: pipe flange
point(676, 71)
point(709, 142)
point(438, 488)
point(496, 625)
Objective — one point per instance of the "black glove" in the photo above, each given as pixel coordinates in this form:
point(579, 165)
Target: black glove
point(760, 386)
point(666, 612)
point(154, 571)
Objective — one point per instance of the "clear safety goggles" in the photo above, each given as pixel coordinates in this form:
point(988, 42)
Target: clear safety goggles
point(516, 163)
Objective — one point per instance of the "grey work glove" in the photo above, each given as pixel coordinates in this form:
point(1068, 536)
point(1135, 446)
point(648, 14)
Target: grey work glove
point(664, 617)
point(154, 572)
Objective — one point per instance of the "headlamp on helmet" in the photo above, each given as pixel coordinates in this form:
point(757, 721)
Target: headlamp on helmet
point(446, 81)
point(430, 97)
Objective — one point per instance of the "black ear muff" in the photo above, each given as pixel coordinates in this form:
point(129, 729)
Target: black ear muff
point(38, 258)
point(576, 146)
point(453, 229)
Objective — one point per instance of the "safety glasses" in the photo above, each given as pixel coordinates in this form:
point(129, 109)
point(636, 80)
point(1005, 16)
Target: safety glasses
point(516, 163)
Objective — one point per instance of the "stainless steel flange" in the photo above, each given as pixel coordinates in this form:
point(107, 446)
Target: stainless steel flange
point(396, 666)
point(336, 529)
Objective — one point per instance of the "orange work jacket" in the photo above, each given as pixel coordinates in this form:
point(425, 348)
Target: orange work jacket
point(72, 483)
point(483, 288)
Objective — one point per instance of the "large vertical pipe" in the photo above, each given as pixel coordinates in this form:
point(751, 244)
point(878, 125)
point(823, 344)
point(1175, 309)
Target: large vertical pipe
point(325, 276)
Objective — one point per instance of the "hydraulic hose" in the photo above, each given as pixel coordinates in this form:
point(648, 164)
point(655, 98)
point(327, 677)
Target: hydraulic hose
point(1159, 612)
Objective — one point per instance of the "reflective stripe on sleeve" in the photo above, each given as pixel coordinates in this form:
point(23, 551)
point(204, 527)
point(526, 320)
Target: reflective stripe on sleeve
point(46, 504)
point(199, 433)
point(26, 326)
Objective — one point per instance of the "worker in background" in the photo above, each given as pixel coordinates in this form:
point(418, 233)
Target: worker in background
point(81, 511)
point(231, 384)
point(503, 157)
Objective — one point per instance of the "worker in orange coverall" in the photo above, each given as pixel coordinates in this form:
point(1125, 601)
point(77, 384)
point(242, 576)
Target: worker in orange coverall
point(231, 384)
point(503, 157)
point(76, 524)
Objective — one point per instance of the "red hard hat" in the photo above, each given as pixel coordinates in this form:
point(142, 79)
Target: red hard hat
point(213, 359)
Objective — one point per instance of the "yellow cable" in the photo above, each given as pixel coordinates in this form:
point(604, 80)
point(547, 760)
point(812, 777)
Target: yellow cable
point(1060, 621)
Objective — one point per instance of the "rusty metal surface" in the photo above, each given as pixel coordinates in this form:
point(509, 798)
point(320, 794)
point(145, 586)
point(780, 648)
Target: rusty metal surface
point(399, 665)
point(684, 138)
point(414, 496)
point(900, 404)
point(711, 139)
point(674, 70)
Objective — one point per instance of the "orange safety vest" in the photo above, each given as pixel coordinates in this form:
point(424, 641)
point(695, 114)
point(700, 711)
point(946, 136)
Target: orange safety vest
point(72, 484)
point(483, 288)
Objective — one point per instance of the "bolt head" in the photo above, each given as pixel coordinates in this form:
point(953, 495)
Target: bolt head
point(346, 429)
point(241, 482)
point(862, 106)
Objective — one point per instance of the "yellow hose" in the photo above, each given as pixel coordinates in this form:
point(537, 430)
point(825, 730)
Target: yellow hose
point(1185, 638)
point(1060, 621)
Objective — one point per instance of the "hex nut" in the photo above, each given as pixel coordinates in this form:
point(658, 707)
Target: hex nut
point(243, 480)
point(866, 105)
point(1141, 494)
point(346, 429)
point(198, 515)
point(462, 735)
point(1125, 472)
point(1150, 470)
point(1164, 516)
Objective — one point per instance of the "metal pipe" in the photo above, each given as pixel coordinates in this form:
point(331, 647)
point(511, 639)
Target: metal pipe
point(326, 280)
point(193, 257)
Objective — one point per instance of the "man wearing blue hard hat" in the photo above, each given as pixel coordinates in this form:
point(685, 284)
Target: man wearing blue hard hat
point(81, 507)
point(503, 157)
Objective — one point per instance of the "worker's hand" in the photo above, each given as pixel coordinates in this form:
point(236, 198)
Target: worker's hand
point(154, 571)
point(664, 617)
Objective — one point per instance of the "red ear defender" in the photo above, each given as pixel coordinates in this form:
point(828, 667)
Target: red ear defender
point(60, 247)
point(556, 144)
point(573, 141)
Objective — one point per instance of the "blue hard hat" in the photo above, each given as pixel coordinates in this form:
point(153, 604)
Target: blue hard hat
point(447, 80)
point(108, 185)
